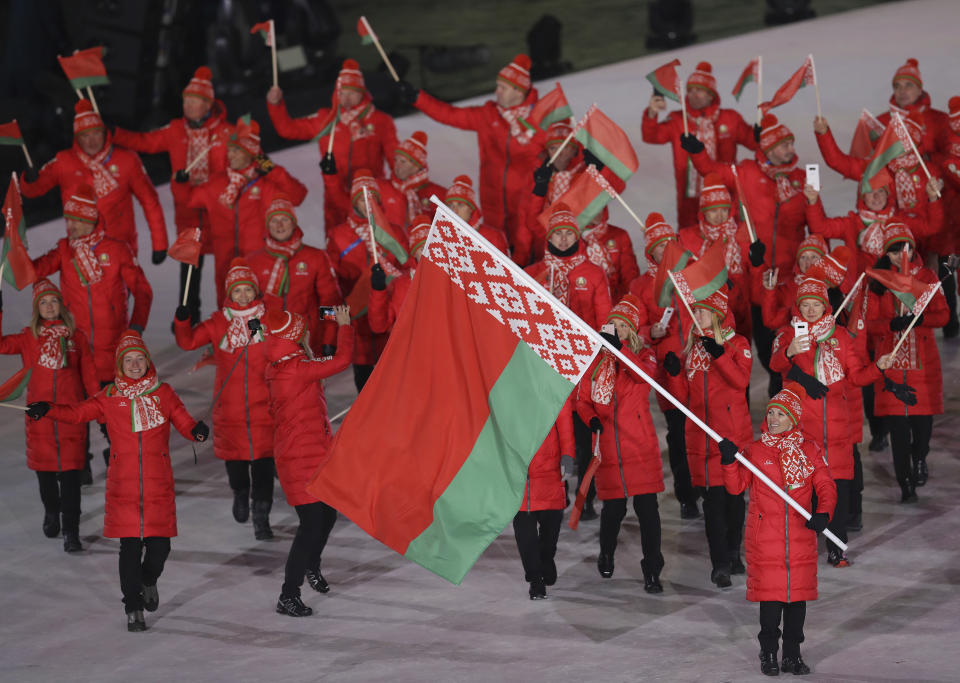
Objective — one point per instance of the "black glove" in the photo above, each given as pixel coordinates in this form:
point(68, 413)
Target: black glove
point(541, 179)
point(590, 159)
point(37, 410)
point(328, 165)
point(200, 431)
point(904, 393)
point(690, 144)
point(378, 278)
point(181, 176)
point(595, 424)
point(158, 256)
point(757, 251)
point(818, 521)
point(672, 364)
point(836, 298)
point(254, 326)
point(757, 129)
point(902, 322)
point(728, 452)
point(137, 328)
point(30, 174)
point(711, 346)
point(815, 388)
point(1, 300)
point(407, 93)
point(264, 165)
point(182, 313)
point(328, 350)
point(613, 339)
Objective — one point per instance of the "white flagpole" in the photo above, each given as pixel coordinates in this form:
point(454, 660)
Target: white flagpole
point(383, 55)
point(816, 84)
point(93, 100)
point(573, 132)
point(273, 52)
point(906, 133)
point(759, 87)
point(853, 290)
point(683, 108)
point(373, 241)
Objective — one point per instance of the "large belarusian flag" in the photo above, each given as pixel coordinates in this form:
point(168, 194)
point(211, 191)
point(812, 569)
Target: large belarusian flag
point(912, 293)
point(17, 266)
point(10, 133)
point(865, 135)
point(432, 458)
point(589, 192)
point(675, 258)
point(85, 68)
point(549, 109)
point(665, 80)
point(608, 142)
point(894, 142)
point(803, 77)
point(704, 276)
point(751, 74)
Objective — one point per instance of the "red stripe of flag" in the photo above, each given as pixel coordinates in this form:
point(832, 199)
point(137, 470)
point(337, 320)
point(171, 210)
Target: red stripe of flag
point(18, 268)
point(10, 133)
point(750, 74)
point(802, 77)
point(85, 68)
point(665, 80)
point(265, 28)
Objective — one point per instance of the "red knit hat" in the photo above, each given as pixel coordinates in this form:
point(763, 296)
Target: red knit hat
point(812, 242)
point(350, 76)
point(718, 302)
point(789, 400)
point(812, 288)
point(82, 205)
point(414, 148)
point(131, 341)
point(42, 288)
point(910, 70)
point(419, 230)
point(280, 204)
point(247, 136)
point(558, 132)
point(285, 325)
point(714, 194)
point(832, 268)
point(240, 273)
point(772, 133)
point(461, 191)
point(517, 73)
point(656, 230)
point(628, 310)
point(704, 78)
point(363, 178)
point(562, 218)
point(85, 118)
point(897, 232)
point(201, 85)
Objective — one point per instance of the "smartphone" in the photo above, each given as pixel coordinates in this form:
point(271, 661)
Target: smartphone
point(665, 318)
point(801, 330)
point(813, 176)
point(608, 329)
point(327, 313)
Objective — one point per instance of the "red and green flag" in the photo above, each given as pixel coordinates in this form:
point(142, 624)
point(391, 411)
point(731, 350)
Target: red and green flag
point(675, 258)
point(704, 276)
point(10, 133)
point(913, 293)
point(186, 248)
point(865, 135)
point(589, 192)
point(549, 109)
point(85, 68)
point(803, 77)
point(15, 386)
point(894, 142)
point(17, 266)
point(751, 74)
point(608, 142)
point(265, 29)
point(385, 234)
point(666, 81)
point(365, 31)
point(476, 371)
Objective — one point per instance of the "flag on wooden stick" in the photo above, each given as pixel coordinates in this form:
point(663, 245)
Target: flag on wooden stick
point(85, 68)
point(803, 77)
point(17, 266)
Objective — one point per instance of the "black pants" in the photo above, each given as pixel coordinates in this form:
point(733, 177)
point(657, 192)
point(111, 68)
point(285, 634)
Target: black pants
point(763, 339)
point(361, 373)
point(139, 568)
point(193, 296)
point(949, 290)
point(856, 486)
point(60, 493)
point(677, 449)
point(316, 522)
point(838, 521)
point(611, 516)
point(537, 533)
point(794, 614)
point(583, 446)
point(723, 516)
point(260, 471)
point(878, 425)
point(910, 442)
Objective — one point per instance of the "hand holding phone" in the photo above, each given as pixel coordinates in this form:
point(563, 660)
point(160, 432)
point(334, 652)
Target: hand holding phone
point(813, 176)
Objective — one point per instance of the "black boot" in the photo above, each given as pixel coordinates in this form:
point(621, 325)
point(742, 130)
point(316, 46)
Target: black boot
point(908, 492)
point(71, 542)
point(261, 521)
point(549, 572)
point(736, 564)
point(589, 512)
point(293, 607)
point(241, 505)
point(920, 472)
point(651, 584)
point(794, 665)
point(768, 664)
point(689, 510)
point(605, 564)
point(151, 598)
point(538, 591)
point(721, 577)
point(316, 581)
point(86, 477)
point(136, 622)
point(879, 443)
point(51, 524)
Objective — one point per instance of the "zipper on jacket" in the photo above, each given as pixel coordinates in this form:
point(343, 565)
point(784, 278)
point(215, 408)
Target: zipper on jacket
point(246, 396)
point(706, 437)
point(90, 311)
point(529, 490)
point(140, 463)
point(616, 440)
point(786, 538)
point(56, 436)
point(826, 449)
point(776, 215)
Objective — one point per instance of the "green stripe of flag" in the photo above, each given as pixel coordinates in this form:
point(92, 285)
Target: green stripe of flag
point(591, 210)
point(10, 141)
point(558, 114)
point(663, 299)
point(743, 84)
point(524, 403)
point(609, 159)
point(660, 88)
point(11, 393)
point(88, 81)
point(386, 240)
point(906, 298)
point(703, 291)
point(878, 162)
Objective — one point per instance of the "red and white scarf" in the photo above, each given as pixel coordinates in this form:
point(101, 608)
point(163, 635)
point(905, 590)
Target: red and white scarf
point(698, 359)
point(558, 274)
point(238, 334)
point(362, 228)
point(794, 463)
point(907, 355)
point(604, 379)
point(103, 181)
point(727, 230)
point(560, 181)
point(594, 238)
point(236, 182)
point(53, 343)
point(512, 116)
point(706, 132)
point(198, 139)
point(904, 167)
point(86, 261)
point(780, 175)
point(408, 188)
point(145, 409)
point(355, 117)
point(278, 283)
point(826, 365)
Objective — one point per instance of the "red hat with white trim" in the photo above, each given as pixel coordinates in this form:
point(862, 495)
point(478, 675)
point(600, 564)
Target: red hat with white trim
point(812, 242)
point(517, 73)
point(656, 230)
point(628, 310)
point(240, 273)
point(894, 233)
point(285, 325)
point(773, 132)
point(562, 218)
point(419, 230)
point(911, 71)
point(350, 76)
point(82, 205)
point(201, 85)
point(714, 194)
point(42, 288)
point(414, 148)
point(703, 77)
point(558, 132)
point(85, 117)
point(246, 136)
point(281, 205)
point(461, 191)
point(789, 400)
point(363, 178)
point(718, 302)
point(812, 288)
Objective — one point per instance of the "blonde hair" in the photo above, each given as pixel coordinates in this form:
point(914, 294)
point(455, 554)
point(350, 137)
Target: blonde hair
point(717, 333)
point(65, 316)
point(634, 340)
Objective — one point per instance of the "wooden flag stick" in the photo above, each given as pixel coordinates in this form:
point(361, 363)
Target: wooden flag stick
point(759, 87)
point(683, 109)
point(816, 85)
point(333, 130)
point(15, 407)
point(853, 290)
point(2, 266)
point(197, 159)
point(913, 147)
point(273, 52)
point(580, 124)
point(186, 287)
point(383, 55)
point(913, 322)
point(26, 154)
point(743, 203)
point(93, 100)
point(373, 240)
point(630, 211)
point(340, 414)
point(685, 304)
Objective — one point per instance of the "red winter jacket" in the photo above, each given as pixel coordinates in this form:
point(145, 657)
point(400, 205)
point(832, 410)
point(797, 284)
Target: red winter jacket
point(67, 171)
point(588, 287)
point(313, 283)
point(923, 362)
point(827, 421)
point(717, 397)
point(506, 164)
point(935, 122)
point(781, 552)
point(385, 304)
point(100, 309)
point(544, 488)
point(424, 191)
point(731, 130)
point(618, 246)
point(242, 425)
point(302, 427)
point(139, 499)
point(630, 462)
point(337, 199)
point(52, 447)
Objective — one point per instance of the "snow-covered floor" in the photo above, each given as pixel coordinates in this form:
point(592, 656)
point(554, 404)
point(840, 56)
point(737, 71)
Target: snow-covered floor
point(891, 616)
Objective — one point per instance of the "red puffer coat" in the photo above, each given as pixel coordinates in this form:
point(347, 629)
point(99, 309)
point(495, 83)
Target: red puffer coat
point(544, 489)
point(100, 309)
point(242, 425)
point(385, 304)
point(139, 499)
point(302, 428)
point(52, 447)
point(920, 357)
point(717, 397)
point(618, 247)
point(781, 552)
point(67, 171)
point(731, 130)
point(506, 164)
point(240, 229)
point(630, 462)
point(337, 200)
point(588, 288)
point(827, 421)
point(313, 283)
